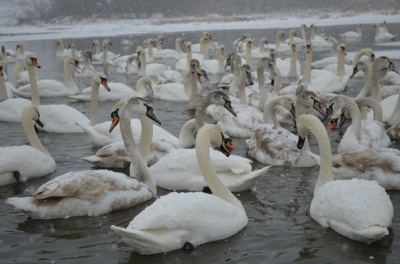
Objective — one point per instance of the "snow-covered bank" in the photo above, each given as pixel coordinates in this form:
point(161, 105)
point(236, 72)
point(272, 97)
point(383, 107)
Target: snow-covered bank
point(136, 27)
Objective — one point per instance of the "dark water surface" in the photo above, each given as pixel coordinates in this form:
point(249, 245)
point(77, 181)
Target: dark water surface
point(280, 229)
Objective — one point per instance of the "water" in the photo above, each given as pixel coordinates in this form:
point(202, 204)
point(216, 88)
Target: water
point(280, 229)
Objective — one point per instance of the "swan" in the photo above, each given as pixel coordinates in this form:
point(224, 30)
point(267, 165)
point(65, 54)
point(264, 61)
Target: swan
point(169, 53)
point(13, 160)
point(149, 43)
point(279, 46)
point(183, 63)
point(148, 69)
point(358, 209)
point(213, 66)
point(175, 91)
point(261, 51)
point(96, 192)
point(62, 52)
point(105, 56)
point(21, 51)
point(7, 56)
point(118, 92)
point(115, 155)
point(170, 222)
point(51, 88)
point(5, 89)
point(290, 67)
point(318, 42)
point(353, 34)
point(59, 118)
point(362, 133)
point(369, 79)
point(274, 145)
point(382, 35)
point(293, 36)
point(87, 70)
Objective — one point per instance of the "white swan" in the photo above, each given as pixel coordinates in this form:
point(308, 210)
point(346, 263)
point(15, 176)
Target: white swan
point(358, 209)
point(319, 42)
point(274, 145)
point(214, 66)
point(183, 63)
point(382, 35)
point(290, 67)
point(261, 51)
point(13, 160)
point(148, 69)
point(105, 56)
point(87, 70)
point(115, 155)
point(60, 118)
point(170, 222)
point(169, 53)
point(51, 88)
point(5, 89)
point(353, 34)
point(96, 192)
point(279, 46)
point(362, 133)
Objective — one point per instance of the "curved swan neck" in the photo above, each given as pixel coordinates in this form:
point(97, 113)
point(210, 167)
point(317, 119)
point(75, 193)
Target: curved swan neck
point(325, 172)
point(241, 93)
point(355, 115)
point(375, 80)
point(34, 87)
point(359, 54)
point(138, 168)
point(3, 91)
point(94, 103)
point(372, 103)
point(269, 112)
point(367, 89)
point(340, 64)
point(30, 133)
point(191, 84)
point(218, 189)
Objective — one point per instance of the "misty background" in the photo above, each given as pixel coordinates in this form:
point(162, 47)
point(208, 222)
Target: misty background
point(16, 12)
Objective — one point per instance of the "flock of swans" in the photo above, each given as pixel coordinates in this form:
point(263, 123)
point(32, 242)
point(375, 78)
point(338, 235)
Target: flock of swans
point(274, 108)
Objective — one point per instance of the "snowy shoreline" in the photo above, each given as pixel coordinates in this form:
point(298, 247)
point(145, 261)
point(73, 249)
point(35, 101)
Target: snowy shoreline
point(137, 27)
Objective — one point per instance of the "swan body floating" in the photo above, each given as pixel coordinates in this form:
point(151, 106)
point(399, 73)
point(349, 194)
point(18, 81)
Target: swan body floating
point(13, 160)
point(353, 34)
point(96, 192)
point(187, 220)
point(358, 209)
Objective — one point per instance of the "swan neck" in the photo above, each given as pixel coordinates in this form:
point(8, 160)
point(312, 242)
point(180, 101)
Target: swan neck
point(177, 47)
point(207, 169)
point(221, 62)
point(68, 79)
point(94, 103)
point(34, 85)
point(355, 116)
point(269, 113)
point(191, 83)
point(201, 112)
point(375, 80)
point(293, 63)
point(307, 68)
point(325, 172)
point(3, 91)
point(138, 168)
point(30, 133)
point(340, 64)
point(241, 93)
point(261, 87)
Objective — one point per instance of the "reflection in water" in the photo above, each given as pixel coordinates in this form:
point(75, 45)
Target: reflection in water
point(280, 229)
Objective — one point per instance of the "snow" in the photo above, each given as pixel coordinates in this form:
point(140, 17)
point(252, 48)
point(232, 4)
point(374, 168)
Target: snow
point(109, 28)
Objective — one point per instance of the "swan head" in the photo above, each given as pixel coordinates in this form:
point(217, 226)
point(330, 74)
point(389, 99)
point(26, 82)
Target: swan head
point(160, 39)
point(336, 103)
point(132, 106)
point(220, 98)
point(88, 54)
point(249, 78)
point(101, 78)
point(59, 43)
point(1, 70)
point(31, 60)
point(95, 43)
point(304, 122)
point(308, 47)
point(72, 61)
point(216, 138)
point(309, 99)
point(32, 112)
point(106, 43)
point(361, 65)
point(341, 48)
point(226, 146)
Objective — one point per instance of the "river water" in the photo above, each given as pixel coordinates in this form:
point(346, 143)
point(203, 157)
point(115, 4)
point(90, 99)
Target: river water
point(280, 229)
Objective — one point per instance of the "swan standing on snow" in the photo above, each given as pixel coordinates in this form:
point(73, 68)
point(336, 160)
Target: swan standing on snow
point(13, 160)
point(187, 220)
point(96, 192)
point(358, 209)
point(52, 88)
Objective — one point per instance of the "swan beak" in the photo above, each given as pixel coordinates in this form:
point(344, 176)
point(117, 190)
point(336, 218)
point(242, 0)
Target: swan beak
point(226, 146)
point(333, 123)
point(293, 110)
point(115, 120)
point(150, 114)
point(39, 123)
point(300, 142)
point(105, 84)
point(35, 63)
point(1, 70)
point(372, 57)
point(76, 64)
point(392, 67)
point(228, 106)
point(355, 70)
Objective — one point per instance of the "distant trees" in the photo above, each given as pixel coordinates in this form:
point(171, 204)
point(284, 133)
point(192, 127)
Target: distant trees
point(48, 10)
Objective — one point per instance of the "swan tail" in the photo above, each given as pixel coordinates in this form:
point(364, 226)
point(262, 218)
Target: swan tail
point(244, 183)
point(151, 241)
point(21, 93)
